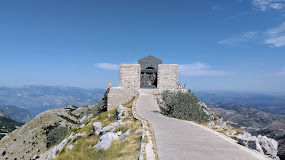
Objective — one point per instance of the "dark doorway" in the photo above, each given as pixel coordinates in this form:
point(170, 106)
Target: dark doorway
point(148, 80)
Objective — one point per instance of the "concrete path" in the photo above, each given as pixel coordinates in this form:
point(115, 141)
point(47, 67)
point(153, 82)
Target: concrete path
point(182, 140)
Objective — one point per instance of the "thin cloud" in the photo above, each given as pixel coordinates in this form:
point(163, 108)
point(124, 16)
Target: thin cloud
point(276, 36)
point(108, 66)
point(240, 39)
point(199, 69)
point(217, 7)
point(276, 41)
point(264, 5)
point(240, 14)
point(276, 30)
point(281, 73)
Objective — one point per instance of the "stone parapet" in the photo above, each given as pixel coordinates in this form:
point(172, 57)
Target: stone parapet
point(120, 95)
point(171, 90)
point(167, 76)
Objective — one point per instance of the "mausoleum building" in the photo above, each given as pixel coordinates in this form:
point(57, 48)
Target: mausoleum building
point(148, 73)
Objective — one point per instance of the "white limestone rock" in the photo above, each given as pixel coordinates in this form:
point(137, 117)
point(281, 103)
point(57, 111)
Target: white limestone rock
point(97, 128)
point(52, 153)
point(211, 123)
point(106, 140)
point(139, 131)
point(124, 135)
point(121, 109)
point(260, 143)
point(69, 147)
point(269, 146)
point(113, 126)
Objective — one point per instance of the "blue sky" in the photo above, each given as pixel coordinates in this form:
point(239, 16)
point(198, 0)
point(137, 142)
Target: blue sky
point(219, 45)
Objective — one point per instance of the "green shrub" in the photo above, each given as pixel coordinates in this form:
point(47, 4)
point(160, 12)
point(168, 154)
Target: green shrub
point(56, 135)
point(182, 106)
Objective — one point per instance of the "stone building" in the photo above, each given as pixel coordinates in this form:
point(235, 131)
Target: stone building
point(148, 73)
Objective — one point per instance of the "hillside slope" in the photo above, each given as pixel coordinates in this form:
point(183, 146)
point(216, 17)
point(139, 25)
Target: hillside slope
point(7, 124)
point(32, 138)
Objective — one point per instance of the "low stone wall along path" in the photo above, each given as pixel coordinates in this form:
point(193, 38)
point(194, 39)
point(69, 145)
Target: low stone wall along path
point(183, 140)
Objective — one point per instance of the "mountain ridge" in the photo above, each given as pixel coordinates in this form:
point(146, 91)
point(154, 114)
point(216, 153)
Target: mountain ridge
point(18, 114)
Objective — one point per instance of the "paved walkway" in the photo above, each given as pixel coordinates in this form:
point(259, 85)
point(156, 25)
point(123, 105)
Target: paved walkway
point(179, 139)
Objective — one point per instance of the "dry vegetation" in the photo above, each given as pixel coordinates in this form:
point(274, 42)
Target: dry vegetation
point(121, 150)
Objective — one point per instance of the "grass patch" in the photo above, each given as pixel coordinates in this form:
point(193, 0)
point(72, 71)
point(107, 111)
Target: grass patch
point(145, 140)
point(233, 137)
point(120, 150)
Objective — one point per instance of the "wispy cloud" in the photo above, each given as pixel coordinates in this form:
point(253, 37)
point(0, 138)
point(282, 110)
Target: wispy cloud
point(240, 14)
point(199, 69)
point(108, 66)
point(264, 5)
point(239, 39)
point(276, 30)
point(217, 7)
point(281, 73)
point(276, 41)
point(276, 36)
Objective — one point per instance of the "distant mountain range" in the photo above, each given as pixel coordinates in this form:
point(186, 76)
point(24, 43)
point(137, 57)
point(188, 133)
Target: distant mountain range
point(266, 101)
point(17, 114)
point(37, 98)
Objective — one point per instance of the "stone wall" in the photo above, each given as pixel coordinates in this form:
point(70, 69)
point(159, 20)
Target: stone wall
point(120, 95)
point(130, 75)
point(128, 88)
point(158, 91)
point(167, 76)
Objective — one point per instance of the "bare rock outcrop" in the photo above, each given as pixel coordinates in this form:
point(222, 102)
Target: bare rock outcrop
point(262, 144)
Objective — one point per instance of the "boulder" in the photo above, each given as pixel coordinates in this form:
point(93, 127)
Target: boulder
point(106, 140)
point(211, 123)
point(269, 146)
point(121, 109)
point(124, 135)
point(69, 147)
point(260, 143)
point(97, 128)
point(113, 126)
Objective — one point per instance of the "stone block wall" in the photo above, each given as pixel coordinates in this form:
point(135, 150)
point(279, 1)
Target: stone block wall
point(120, 95)
point(130, 75)
point(167, 76)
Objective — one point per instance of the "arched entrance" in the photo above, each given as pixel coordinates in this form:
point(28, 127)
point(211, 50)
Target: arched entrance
point(149, 68)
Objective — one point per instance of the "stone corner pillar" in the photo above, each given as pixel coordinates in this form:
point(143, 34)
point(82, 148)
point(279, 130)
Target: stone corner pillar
point(167, 76)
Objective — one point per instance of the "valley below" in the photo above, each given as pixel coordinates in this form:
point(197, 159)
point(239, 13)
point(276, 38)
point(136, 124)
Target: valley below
point(254, 113)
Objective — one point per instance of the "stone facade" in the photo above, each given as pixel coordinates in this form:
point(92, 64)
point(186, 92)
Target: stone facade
point(167, 76)
point(130, 75)
point(120, 95)
point(128, 87)
point(149, 69)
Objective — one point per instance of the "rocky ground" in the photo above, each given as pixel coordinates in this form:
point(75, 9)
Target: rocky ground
point(255, 122)
point(31, 139)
